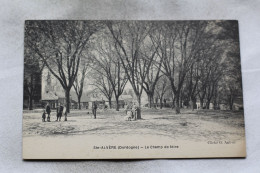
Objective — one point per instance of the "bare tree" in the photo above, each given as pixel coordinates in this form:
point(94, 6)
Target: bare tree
point(179, 44)
point(191, 85)
point(80, 80)
point(103, 84)
point(59, 46)
point(231, 83)
point(32, 74)
point(161, 88)
point(209, 70)
point(108, 64)
point(128, 38)
point(153, 74)
point(79, 84)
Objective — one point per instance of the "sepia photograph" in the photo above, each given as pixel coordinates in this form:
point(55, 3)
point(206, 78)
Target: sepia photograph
point(132, 89)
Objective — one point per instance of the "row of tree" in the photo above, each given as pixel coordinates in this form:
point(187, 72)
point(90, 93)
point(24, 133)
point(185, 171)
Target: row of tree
point(184, 59)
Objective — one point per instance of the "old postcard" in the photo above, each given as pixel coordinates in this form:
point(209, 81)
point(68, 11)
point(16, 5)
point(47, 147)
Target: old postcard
point(132, 90)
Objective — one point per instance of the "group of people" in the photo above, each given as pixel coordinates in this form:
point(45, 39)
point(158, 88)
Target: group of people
point(131, 112)
point(60, 111)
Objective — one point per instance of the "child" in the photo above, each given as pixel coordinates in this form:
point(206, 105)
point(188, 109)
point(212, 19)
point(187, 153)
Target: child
point(43, 116)
point(128, 116)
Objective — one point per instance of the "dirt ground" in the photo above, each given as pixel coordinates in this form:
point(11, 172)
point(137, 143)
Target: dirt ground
point(189, 125)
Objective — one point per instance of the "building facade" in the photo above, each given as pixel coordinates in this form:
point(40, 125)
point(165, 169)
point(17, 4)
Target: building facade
point(52, 91)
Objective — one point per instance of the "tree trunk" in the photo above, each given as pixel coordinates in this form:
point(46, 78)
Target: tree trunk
point(31, 94)
point(231, 103)
point(194, 103)
point(180, 105)
point(215, 104)
point(138, 116)
point(201, 103)
point(177, 104)
point(117, 103)
point(156, 101)
point(150, 102)
point(30, 107)
point(110, 102)
point(67, 95)
point(150, 98)
point(173, 102)
point(79, 105)
point(207, 104)
point(161, 103)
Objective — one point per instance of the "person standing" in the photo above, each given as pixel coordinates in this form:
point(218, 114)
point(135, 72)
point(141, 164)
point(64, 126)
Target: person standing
point(128, 112)
point(134, 110)
point(127, 108)
point(43, 115)
point(94, 109)
point(59, 112)
point(48, 111)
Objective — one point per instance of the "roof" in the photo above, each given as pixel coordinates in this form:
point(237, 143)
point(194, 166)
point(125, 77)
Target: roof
point(60, 94)
point(126, 97)
point(49, 96)
point(86, 97)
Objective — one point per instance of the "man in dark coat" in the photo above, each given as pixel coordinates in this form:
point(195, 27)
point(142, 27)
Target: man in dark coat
point(59, 112)
point(94, 109)
point(48, 111)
